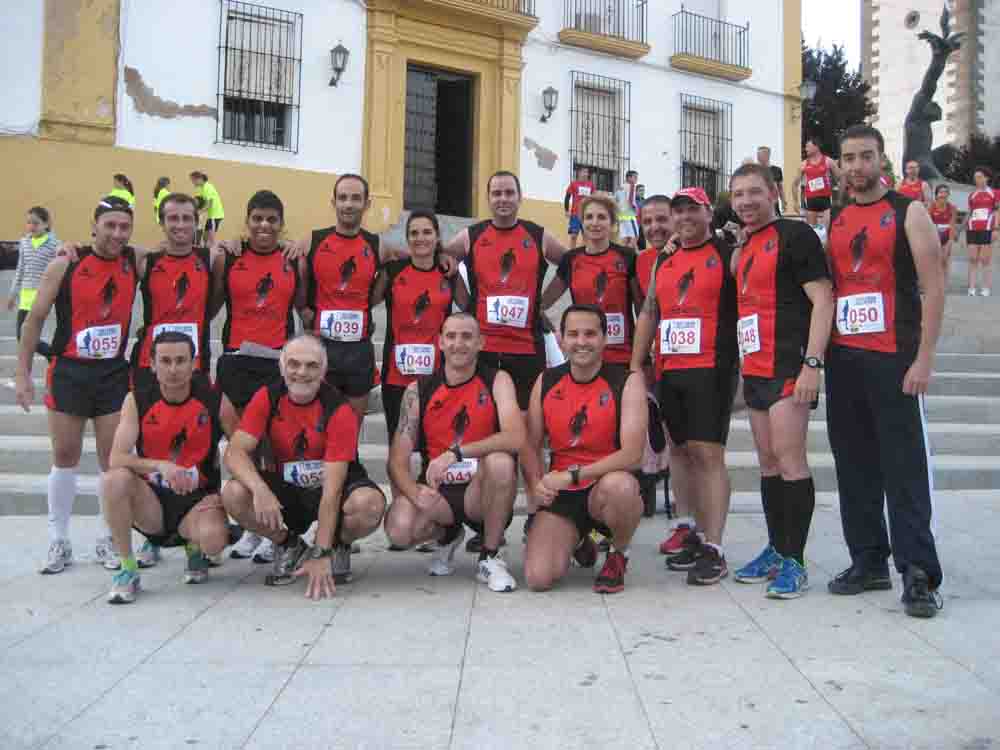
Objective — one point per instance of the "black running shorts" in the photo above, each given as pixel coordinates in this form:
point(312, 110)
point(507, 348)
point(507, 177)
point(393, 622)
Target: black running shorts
point(980, 237)
point(523, 369)
point(350, 366)
point(392, 399)
point(819, 204)
point(240, 376)
point(175, 508)
point(572, 504)
point(144, 379)
point(86, 388)
point(763, 393)
point(696, 404)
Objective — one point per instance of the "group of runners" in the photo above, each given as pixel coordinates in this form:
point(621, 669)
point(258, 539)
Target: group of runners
point(468, 399)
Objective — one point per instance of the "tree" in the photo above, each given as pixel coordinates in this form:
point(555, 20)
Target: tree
point(980, 151)
point(841, 98)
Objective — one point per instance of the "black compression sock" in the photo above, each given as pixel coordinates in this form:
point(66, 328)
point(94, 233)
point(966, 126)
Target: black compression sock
point(800, 502)
point(484, 553)
point(771, 498)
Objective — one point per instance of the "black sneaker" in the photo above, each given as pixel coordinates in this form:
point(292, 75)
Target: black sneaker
point(710, 567)
point(918, 600)
point(687, 558)
point(859, 578)
point(585, 554)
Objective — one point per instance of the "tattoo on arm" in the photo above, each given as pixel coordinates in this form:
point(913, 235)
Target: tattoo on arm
point(408, 426)
point(651, 306)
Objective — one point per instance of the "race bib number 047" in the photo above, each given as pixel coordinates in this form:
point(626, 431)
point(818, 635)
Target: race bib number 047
point(99, 342)
point(507, 311)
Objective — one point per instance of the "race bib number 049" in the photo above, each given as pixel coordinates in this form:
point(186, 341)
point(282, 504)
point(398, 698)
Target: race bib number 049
point(616, 328)
point(860, 313)
point(341, 325)
point(749, 335)
point(303, 473)
point(507, 311)
point(461, 472)
point(99, 342)
point(415, 359)
point(680, 336)
point(188, 329)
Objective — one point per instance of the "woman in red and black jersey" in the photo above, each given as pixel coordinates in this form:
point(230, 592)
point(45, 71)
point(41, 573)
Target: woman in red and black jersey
point(944, 214)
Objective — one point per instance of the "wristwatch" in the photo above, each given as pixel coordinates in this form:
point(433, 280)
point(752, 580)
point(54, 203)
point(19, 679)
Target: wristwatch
point(814, 362)
point(574, 473)
point(457, 450)
point(318, 553)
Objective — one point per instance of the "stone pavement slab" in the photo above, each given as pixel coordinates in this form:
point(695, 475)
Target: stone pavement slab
point(402, 660)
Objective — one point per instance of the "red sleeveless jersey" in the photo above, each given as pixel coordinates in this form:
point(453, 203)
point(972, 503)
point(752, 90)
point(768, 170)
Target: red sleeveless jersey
point(260, 296)
point(817, 178)
point(506, 270)
point(342, 272)
point(943, 219)
point(416, 303)
point(696, 296)
point(774, 311)
point(175, 293)
point(186, 434)
point(982, 206)
point(456, 414)
point(94, 306)
point(912, 190)
point(604, 280)
point(874, 277)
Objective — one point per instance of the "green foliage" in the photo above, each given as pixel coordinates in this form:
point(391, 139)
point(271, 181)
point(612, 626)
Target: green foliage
point(841, 98)
point(980, 151)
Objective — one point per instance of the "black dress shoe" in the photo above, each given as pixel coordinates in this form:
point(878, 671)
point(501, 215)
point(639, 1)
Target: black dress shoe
point(859, 578)
point(918, 600)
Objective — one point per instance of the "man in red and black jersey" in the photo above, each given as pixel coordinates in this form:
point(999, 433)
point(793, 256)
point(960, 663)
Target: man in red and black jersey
point(785, 307)
point(576, 191)
point(87, 376)
point(912, 186)
point(466, 425)
point(691, 309)
point(260, 288)
point(164, 480)
point(885, 257)
point(594, 416)
point(313, 434)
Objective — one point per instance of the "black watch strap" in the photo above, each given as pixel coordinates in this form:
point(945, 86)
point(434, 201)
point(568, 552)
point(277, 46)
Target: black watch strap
point(574, 474)
point(814, 362)
point(457, 450)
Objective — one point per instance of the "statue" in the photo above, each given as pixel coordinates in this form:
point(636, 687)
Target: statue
point(917, 136)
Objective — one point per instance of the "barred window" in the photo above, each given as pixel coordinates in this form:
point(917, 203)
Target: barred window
point(600, 136)
point(260, 81)
point(706, 144)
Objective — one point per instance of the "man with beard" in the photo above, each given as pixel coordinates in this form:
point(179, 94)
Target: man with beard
point(465, 422)
point(885, 257)
point(691, 308)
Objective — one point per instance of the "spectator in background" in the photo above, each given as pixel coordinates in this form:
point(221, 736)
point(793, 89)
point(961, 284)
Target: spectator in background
point(160, 192)
point(209, 205)
point(764, 159)
point(578, 189)
point(640, 198)
point(627, 210)
point(123, 189)
point(34, 251)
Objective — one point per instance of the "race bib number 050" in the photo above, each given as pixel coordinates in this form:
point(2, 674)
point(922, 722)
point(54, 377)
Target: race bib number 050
point(341, 325)
point(860, 313)
point(99, 342)
point(680, 336)
point(303, 473)
point(461, 472)
point(415, 359)
point(188, 329)
point(749, 334)
point(507, 311)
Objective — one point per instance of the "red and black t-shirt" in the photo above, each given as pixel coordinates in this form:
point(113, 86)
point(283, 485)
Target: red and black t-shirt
point(582, 420)
point(696, 296)
point(260, 297)
point(94, 306)
point(506, 271)
point(874, 277)
point(416, 303)
point(176, 290)
point(186, 433)
point(603, 280)
point(943, 218)
point(774, 310)
point(455, 414)
point(644, 263)
point(341, 277)
point(325, 429)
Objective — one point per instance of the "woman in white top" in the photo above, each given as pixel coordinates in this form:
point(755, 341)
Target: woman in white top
point(34, 251)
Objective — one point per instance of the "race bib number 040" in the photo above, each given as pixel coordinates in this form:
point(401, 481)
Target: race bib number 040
point(99, 342)
point(188, 329)
point(749, 334)
point(461, 472)
point(507, 311)
point(341, 325)
point(860, 313)
point(303, 473)
point(680, 336)
point(415, 359)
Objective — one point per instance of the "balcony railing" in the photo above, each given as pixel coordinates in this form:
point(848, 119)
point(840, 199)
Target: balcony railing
point(524, 7)
point(615, 26)
point(698, 40)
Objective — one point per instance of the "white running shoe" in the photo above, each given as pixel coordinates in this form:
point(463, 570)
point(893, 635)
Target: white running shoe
point(493, 572)
point(984, 292)
point(60, 555)
point(104, 554)
point(972, 291)
point(124, 587)
point(444, 556)
point(214, 561)
point(148, 555)
point(245, 547)
point(264, 554)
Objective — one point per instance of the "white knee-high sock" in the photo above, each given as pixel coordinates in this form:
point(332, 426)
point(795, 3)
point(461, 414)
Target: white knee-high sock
point(102, 525)
point(62, 492)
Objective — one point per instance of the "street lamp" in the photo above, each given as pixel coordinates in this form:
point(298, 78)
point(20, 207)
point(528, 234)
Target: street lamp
point(550, 100)
point(338, 61)
point(807, 92)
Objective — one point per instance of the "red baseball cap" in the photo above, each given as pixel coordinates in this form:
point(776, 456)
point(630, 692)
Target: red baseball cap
point(693, 194)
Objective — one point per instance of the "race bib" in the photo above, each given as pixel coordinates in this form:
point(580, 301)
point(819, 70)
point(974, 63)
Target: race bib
point(749, 332)
point(583, 190)
point(860, 313)
point(99, 342)
point(303, 473)
point(507, 311)
point(158, 479)
point(816, 184)
point(415, 359)
point(980, 214)
point(942, 228)
point(461, 472)
point(342, 325)
point(680, 336)
point(189, 329)
point(616, 328)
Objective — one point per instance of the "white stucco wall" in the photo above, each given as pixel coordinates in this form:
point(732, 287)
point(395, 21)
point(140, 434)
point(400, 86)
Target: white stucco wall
point(175, 49)
point(21, 71)
point(990, 59)
point(757, 104)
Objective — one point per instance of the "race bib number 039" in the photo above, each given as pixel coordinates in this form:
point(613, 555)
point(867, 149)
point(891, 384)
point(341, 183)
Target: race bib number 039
point(415, 359)
point(616, 328)
point(507, 311)
point(341, 325)
point(188, 329)
point(99, 342)
point(860, 313)
point(680, 336)
point(461, 472)
point(749, 334)
point(303, 473)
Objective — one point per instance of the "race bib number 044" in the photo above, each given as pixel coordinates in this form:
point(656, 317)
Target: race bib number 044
point(99, 342)
point(749, 335)
point(507, 311)
point(680, 336)
point(341, 325)
point(303, 473)
point(860, 313)
point(461, 472)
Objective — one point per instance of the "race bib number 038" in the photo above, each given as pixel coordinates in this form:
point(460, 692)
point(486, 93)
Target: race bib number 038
point(341, 325)
point(507, 311)
point(860, 313)
point(99, 342)
point(188, 329)
point(749, 334)
point(461, 472)
point(616, 328)
point(415, 359)
point(303, 473)
point(680, 336)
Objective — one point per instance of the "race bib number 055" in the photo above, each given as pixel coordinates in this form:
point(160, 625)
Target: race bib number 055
point(461, 472)
point(99, 342)
point(341, 325)
point(507, 311)
point(749, 335)
point(680, 336)
point(303, 473)
point(860, 313)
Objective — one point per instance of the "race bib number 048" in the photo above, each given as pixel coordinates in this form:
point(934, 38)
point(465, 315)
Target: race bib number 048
point(680, 336)
point(341, 325)
point(749, 335)
point(303, 473)
point(415, 359)
point(461, 472)
point(99, 342)
point(860, 313)
point(507, 311)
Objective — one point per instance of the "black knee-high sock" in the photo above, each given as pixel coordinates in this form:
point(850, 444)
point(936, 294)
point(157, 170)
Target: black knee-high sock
point(800, 502)
point(771, 499)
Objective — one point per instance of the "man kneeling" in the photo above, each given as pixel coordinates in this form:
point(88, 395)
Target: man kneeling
point(465, 422)
point(168, 488)
point(595, 418)
point(312, 432)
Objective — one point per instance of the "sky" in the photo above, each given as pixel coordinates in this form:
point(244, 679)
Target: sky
point(829, 22)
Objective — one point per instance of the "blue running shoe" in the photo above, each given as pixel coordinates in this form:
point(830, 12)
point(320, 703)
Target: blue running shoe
point(762, 568)
point(791, 583)
point(124, 587)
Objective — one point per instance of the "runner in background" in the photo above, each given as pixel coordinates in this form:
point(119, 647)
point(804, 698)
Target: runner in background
point(578, 189)
point(979, 232)
point(944, 214)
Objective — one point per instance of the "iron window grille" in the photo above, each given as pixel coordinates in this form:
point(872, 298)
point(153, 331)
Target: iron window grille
point(601, 132)
point(260, 76)
point(711, 38)
point(706, 144)
point(625, 19)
